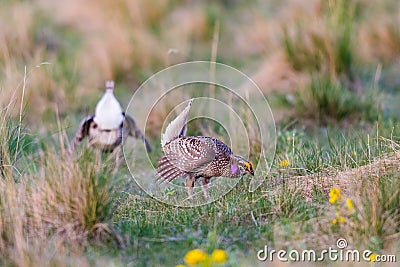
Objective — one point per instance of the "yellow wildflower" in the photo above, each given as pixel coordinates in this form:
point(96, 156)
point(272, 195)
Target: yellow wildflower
point(219, 256)
point(180, 265)
point(334, 192)
point(334, 195)
point(195, 256)
point(350, 204)
point(333, 200)
point(373, 257)
point(284, 163)
point(338, 219)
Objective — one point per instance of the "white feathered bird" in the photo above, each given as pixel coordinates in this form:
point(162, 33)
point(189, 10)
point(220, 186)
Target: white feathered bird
point(109, 127)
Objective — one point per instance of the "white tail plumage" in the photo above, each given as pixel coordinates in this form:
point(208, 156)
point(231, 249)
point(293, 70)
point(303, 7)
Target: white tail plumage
point(108, 113)
point(177, 127)
point(110, 85)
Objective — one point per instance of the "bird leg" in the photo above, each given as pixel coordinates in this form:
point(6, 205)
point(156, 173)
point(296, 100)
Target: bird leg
point(204, 186)
point(190, 184)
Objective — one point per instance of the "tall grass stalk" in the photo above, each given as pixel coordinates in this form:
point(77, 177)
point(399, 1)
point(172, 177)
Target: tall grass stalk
point(55, 208)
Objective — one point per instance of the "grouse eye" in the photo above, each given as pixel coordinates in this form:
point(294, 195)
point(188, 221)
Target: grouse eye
point(94, 125)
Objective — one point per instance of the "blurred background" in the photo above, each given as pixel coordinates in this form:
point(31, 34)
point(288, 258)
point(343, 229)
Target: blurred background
point(330, 70)
point(316, 61)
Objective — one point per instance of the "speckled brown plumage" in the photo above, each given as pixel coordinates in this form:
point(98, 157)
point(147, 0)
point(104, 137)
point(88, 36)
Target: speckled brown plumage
point(200, 157)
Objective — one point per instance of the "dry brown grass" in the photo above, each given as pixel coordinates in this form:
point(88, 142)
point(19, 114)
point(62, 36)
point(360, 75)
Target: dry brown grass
point(380, 40)
point(51, 205)
point(372, 224)
point(276, 74)
point(117, 38)
point(50, 214)
point(50, 211)
point(313, 33)
point(349, 181)
point(129, 40)
point(16, 37)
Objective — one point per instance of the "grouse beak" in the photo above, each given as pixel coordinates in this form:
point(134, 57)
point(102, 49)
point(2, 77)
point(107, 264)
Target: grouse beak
point(251, 172)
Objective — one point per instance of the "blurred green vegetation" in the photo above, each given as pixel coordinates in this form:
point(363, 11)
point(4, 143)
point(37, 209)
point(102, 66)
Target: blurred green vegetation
point(329, 69)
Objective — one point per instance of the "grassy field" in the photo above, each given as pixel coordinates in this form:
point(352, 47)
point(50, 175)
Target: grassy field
point(329, 69)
